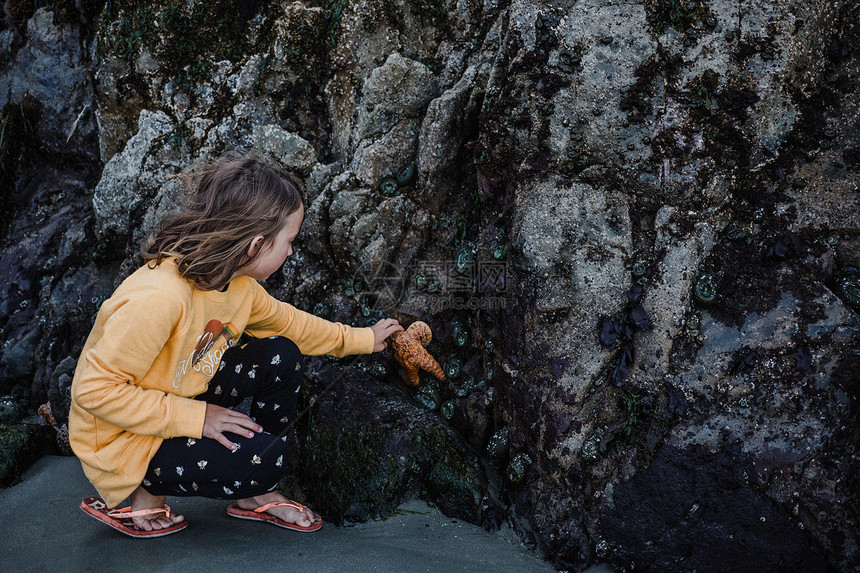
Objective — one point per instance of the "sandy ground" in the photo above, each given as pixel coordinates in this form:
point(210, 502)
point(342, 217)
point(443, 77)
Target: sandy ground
point(45, 530)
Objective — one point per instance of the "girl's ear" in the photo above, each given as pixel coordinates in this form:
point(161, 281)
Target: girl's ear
point(255, 245)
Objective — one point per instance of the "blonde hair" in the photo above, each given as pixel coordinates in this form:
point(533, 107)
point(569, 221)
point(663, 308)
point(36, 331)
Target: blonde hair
point(234, 199)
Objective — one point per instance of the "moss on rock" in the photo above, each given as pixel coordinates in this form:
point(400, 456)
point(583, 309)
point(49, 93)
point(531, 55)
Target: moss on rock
point(20, 446)
point(184, 40)
point(354, 478)
point(366, 472)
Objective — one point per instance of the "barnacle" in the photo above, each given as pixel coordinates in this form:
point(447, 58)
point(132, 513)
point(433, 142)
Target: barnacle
point(456, 324)
point(848, 287)
point(459, 332)
point(377, 369)
point(365, 305)
point(323, 309)
point(592, 446)
point(427, 280)
point(407, 174)
point(705, 291)
point(388, 186)
point(348, 287)
point(428, 396)
point(736, 233)
point(453, 367)
point(421, 281)
point(447, 409)
point(467, 387)
point(465, 258)
point(693, 323)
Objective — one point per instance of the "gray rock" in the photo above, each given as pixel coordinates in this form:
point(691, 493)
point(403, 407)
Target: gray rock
point(60, 388)
point(558, 145)
point(383, 156)
point(442, 132)
point(290, 150)
point(52, 67)
point(399, 89)
point(668, 300)
point(19, 360)
point(125, 179)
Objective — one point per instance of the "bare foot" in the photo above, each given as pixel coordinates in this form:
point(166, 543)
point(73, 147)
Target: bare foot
point(142, 499)
point(302, 518)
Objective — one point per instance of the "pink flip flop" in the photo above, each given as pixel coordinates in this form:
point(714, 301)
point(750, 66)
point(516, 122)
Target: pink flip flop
point(259, 515)
point(121, 519)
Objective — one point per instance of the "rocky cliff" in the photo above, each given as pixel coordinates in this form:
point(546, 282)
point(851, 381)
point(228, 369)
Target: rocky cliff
point(634, 227)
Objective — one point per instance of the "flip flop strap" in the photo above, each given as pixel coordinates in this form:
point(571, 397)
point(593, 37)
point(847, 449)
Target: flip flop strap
point(293, 504)
point(127, 513)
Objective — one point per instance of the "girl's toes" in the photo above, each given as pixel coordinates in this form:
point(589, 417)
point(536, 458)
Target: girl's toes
point(142, 524)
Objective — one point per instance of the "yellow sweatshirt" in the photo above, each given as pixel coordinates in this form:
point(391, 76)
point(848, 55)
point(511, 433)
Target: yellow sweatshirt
point(155, 345)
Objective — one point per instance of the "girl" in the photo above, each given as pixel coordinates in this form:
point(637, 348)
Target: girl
point(157, 377)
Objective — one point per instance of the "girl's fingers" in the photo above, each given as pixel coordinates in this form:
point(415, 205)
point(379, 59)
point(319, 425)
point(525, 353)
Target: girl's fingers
point(220, 420)
point(222, 439)
point(389, 323)
point(391, 328)
point(243, 422)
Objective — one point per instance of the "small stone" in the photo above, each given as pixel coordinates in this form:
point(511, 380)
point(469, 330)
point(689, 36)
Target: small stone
point(497, 447)
point(518, 468)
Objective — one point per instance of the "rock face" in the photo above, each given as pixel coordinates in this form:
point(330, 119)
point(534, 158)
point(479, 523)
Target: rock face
point(633, 230)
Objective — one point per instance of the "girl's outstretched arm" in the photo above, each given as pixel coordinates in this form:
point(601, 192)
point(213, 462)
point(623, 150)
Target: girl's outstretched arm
point(312, 334)
point(382, 330)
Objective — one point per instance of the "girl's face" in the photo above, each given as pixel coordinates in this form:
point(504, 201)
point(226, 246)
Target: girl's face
point(271, 256)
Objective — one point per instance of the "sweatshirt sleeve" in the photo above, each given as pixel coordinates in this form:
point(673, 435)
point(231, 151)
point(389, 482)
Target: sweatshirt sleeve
point(136, 331)
point(312, 334)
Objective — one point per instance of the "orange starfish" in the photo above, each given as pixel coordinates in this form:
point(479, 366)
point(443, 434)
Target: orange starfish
point(409, 351)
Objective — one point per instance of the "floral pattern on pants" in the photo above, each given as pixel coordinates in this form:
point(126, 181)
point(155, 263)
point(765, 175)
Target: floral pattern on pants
point(269, 371)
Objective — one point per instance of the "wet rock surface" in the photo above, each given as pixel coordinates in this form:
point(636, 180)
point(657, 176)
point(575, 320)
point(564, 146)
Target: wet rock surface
point(391, 448)
point(699, 498)
point(633, 231)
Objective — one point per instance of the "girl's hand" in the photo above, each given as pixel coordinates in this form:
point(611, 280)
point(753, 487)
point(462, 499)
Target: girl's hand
point(219, 420)
point(382, 330)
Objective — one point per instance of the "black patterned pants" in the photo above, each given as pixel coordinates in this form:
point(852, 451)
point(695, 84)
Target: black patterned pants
point(270, 372)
